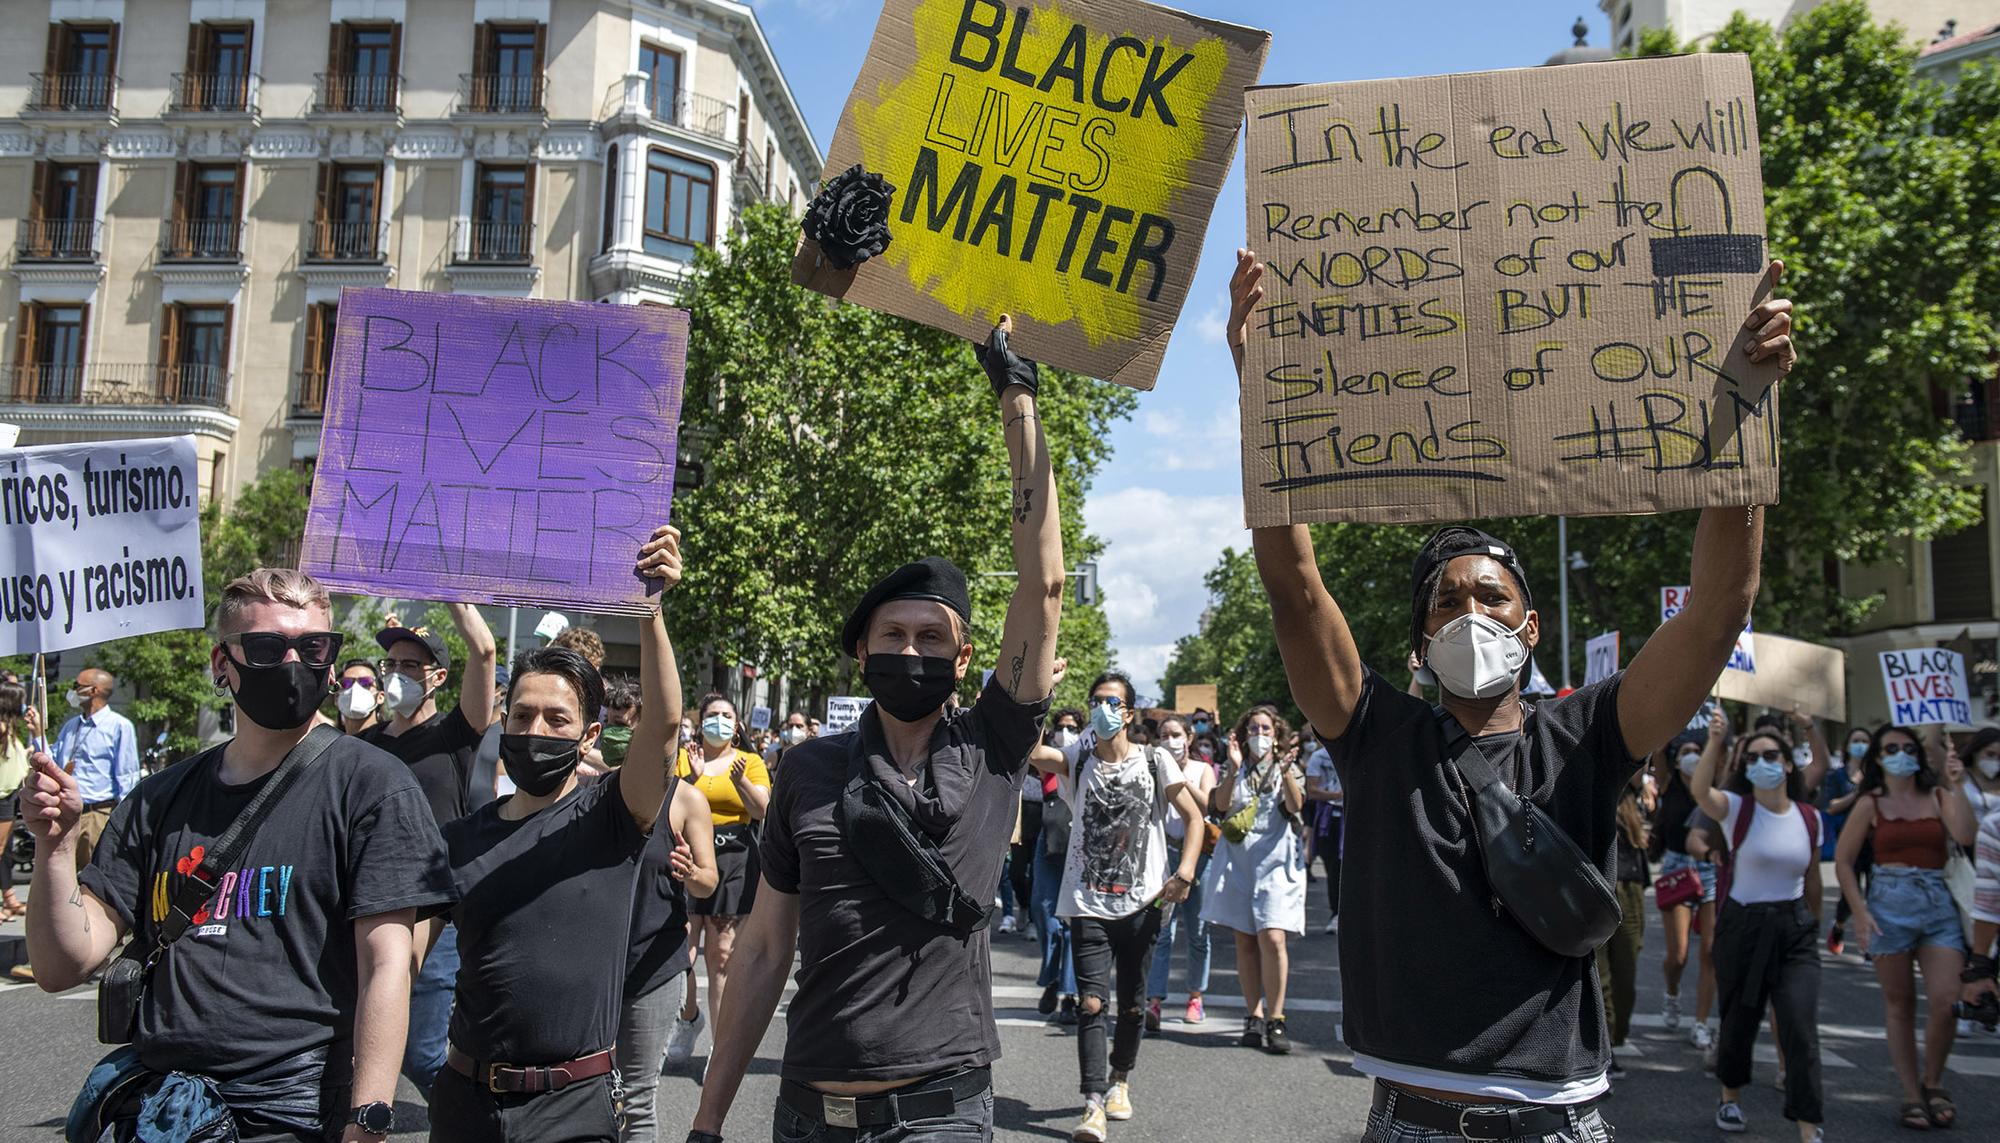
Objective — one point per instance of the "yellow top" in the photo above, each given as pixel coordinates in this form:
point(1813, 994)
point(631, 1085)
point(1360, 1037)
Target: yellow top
point(725, 805)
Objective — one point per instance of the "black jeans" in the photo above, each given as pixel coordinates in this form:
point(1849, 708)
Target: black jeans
point(1021, 858)
point(1327, 847)
point(465, 1112)
point(1769, 953)
point(970, 1119)
point(1099, 947)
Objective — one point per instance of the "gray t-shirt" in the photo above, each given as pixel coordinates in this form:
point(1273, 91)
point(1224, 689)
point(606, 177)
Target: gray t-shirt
point(1117, 860)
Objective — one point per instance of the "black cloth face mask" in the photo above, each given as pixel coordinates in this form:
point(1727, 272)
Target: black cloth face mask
point(283, 697)
point(538, 763)
point(910, 687)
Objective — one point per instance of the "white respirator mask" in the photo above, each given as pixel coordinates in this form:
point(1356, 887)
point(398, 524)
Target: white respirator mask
point(1473, 656)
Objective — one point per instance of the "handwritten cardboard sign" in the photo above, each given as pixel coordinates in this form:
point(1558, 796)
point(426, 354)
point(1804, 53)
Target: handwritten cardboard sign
point(1507, 293)
point(842, 712)
point(490, 450)
point(1600, 657)
point(1057, 162)
point(101, 541)
point(1926, 685)
point(1191, 697)
point(1743, 658)
point(1790, 673)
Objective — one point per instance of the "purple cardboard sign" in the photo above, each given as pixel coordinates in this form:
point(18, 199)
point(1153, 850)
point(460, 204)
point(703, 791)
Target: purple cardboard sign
point(489, 450)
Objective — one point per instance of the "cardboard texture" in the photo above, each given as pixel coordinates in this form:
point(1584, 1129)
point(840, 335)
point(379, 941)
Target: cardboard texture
point(1926, 686)
point(488, 450)
point(1507, 293)
point(1791, 672)
point(1191, 697)
point(1056, 162)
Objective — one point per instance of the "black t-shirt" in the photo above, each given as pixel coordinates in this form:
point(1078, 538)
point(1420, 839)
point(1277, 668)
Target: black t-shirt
point(884, 994)
point(659, 911)
point(439, 751)
point(1674, 815)
point(1432, 977)
point(544, 926)
point(268, 969)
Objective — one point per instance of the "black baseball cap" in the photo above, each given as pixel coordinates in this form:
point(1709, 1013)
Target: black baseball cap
point(431, 640)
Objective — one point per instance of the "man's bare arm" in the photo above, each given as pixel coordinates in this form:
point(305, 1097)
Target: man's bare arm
point(475, 685)
point(1028, 639)
point(757, 969)
point(383, 962)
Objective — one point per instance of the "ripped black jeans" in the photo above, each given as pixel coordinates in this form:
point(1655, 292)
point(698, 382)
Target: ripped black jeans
point(1100, 947)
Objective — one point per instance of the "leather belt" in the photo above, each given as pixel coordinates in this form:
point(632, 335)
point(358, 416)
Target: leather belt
point(1479, 1121)
point(930, 1098)
point(503, 1079)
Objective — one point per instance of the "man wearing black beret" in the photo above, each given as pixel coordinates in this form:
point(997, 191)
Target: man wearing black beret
point(882, 845)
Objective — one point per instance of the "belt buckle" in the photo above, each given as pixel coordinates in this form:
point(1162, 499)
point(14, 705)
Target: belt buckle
point(840, 1111)
point(493, 1080)
point(1463, 1115)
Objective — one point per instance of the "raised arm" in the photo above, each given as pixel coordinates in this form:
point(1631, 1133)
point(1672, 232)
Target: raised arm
point(475, 685)
point(1321, 661)
point(1048, 760)
point(1028, 640)
point(643, 780)
point(1822, 754)
point(1676, 668)
point(1702, 785)
point(1959, 820)
point(70, 931)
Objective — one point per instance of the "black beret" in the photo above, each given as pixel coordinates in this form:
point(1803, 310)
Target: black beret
point(933, 577)
point(1444, 546)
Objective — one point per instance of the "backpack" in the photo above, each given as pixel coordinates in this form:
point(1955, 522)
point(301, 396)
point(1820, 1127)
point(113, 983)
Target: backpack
point(1741, 830)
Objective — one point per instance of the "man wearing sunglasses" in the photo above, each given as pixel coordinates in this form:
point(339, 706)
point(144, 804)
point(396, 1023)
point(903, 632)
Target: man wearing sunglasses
point(286, 997)
point(360, 699)
point(441, 750)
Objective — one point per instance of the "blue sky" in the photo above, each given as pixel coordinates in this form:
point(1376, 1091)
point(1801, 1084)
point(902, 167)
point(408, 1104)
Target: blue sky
point(1171, 498)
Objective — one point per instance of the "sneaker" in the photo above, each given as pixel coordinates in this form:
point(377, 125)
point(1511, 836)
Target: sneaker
point(22, 972)
point(1972, 1028)
point(1092, 1129)
point(681, 1041)
point(1701, 1036)
point(1819, 1135)
point(1276, 1042)
point(1007, 924)
point(1616, 1071)
point(1118, 1101)
point(1152, 1023)
point(1708, 1058)
point(1670, 1013)
point(1332, 927)
point(1067, 1017)
point(1836, 940)
point(1195, 1012)
point(1253, 1032)
point(1729, 1117)
point(1778, 1081)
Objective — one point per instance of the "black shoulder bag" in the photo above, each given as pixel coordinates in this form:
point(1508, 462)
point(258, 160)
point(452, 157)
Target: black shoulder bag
point(1549, 886)
point(124, 984)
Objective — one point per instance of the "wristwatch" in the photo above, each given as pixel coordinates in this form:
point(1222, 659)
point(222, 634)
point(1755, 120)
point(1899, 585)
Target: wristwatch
point(703, 1137)
point(376, 1118)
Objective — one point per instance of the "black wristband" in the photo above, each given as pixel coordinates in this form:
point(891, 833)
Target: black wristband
point(1978, 968)
point(703, 1137)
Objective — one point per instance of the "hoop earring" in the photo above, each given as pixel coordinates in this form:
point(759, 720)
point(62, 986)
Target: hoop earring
point(221, 686)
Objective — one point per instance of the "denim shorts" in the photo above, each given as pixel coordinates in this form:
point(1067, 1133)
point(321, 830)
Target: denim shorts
point(1914, 909)
point(1675, 862)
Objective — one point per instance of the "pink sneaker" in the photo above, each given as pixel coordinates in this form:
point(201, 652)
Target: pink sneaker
point(1195, 1012)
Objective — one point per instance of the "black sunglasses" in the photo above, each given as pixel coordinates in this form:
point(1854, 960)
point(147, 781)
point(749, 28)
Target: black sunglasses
point(1895, 748)
point(317, 649)
point(1770, 755)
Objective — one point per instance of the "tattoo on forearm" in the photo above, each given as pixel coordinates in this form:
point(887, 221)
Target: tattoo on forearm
point(1020, 663)
point(1024, 504)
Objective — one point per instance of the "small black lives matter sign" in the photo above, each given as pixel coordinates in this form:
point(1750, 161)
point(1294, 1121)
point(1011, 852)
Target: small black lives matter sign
point(1507, 293)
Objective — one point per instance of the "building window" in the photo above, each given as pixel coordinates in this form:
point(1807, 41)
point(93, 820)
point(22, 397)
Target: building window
point(62, 213)
point(350, 213)
point(680, 205)
point(507, 68)
point(218, 68)
point(316, 362)
point(1962, 574)
point(207, 213)
point(217, 465)
point(194, 355)
point(82, 67)
point(663, 81)
point(361, 68)
point(610, 195)
point(502, 214)
point(743, 122)
point(48, 354)
point(770, 164)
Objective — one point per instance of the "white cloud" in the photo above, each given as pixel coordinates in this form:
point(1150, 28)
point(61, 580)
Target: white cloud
point(1213, 324)
point(1158, 546)
point(1174, 443)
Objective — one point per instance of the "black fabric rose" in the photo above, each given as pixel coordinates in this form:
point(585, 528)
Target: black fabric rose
point(849, 218)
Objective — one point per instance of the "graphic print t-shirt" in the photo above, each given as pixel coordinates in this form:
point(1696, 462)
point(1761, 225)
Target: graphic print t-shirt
point(268, 968)
point(440, 752)
point(1117, 862)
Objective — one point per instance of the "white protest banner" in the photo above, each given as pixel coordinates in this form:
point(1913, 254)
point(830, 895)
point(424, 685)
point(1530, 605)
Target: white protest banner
point(1600, 657)
point(1926, 685)
point(760, 718)
point(842, 712)
point(1743, 658)
point(103, 542)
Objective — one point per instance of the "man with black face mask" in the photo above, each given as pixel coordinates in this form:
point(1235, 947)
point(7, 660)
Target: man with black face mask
point(1468, 1022)
point(882, 845)
point(547, 876)
point(282, 1005)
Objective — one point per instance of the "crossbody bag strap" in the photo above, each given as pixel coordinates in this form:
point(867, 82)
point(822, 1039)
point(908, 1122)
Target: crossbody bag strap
point(202, 883)
point(1466, 754)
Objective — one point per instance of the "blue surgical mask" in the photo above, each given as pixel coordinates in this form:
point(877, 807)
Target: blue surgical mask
point(1765, 775)
point(1901, 765)
point(1857, 750)
point(717, 729)
point(1106, 720)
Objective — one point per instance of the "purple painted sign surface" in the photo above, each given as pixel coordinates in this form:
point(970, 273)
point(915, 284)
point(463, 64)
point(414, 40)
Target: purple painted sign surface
point(489, 450)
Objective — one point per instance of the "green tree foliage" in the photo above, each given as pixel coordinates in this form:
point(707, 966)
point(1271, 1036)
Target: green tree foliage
point(1882, 195)
point(838, 443)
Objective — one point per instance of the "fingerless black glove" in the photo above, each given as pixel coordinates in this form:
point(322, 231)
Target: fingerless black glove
point(1004, 367)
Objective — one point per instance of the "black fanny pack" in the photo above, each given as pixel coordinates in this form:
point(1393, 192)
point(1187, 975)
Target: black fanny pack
point(1549, 886)
point(731, 838)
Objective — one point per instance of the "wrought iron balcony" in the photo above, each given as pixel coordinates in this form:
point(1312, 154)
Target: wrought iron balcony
point(701, 114)
point(121, 384)
point(57, 240)
point(349, 93)
point(201, 240)
point(750, 177)
point(493, 243)
point(89, 92)
point(501, 94)
point(337, 241)
point(220, 93)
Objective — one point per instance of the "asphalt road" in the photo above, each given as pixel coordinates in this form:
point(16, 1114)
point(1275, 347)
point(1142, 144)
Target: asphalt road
point(1193, 1083)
